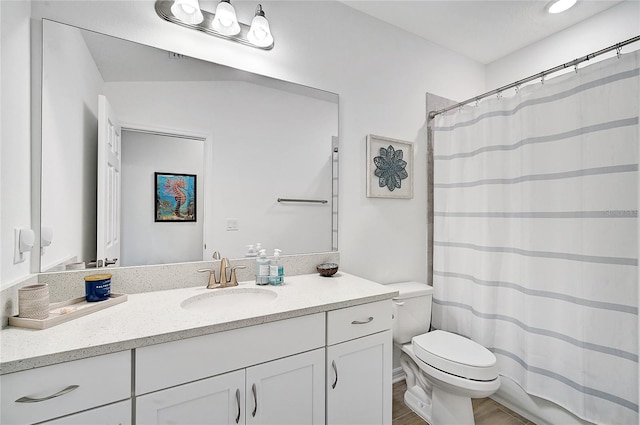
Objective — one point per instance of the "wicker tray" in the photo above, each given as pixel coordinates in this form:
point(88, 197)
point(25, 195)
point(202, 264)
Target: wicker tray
point(76, 307)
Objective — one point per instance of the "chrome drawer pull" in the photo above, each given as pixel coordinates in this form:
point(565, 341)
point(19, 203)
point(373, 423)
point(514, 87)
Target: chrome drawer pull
point(58, 394)
point(335, 369)
point(238, 402)
point(255, 400)
point(359, 322)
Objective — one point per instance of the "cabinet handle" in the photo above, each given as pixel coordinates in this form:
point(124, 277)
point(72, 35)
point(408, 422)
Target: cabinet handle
point(58, 394)
point(362, 322)
point(335, 370)
point(238, 403)
point(255, 400)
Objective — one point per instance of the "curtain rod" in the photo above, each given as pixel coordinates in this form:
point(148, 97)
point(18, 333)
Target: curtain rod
point(575, 62)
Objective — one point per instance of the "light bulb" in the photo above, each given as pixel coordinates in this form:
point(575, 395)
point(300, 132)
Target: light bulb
point(225, 21)
point(260, 33)
point(187, 11)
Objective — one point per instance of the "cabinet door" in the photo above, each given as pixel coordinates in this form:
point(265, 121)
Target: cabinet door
point(217, 400)
point(113, 414)
point(359, 381)
point(287, 391)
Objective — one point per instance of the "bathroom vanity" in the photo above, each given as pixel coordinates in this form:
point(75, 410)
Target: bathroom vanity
point(316, 350)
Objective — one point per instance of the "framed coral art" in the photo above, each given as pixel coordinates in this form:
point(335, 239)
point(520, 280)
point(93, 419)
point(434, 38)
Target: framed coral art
point(389, 168)
point(175, 197)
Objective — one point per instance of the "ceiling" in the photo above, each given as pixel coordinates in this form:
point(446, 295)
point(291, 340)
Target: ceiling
point(479, 29)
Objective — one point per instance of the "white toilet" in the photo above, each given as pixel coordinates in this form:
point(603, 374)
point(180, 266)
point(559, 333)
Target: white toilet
point(444, 371)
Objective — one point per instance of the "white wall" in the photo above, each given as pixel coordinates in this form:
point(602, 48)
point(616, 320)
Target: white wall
point(381, 75)
point(619, 23)
point(15, 147)
point(145, 241)
point(70, 136)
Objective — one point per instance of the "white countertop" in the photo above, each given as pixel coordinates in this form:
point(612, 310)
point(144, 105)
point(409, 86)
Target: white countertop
point(157, 317)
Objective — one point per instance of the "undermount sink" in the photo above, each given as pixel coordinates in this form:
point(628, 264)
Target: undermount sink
point(227, 298)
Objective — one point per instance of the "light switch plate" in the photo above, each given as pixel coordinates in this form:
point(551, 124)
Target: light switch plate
point(18, 257)
point(232, 224)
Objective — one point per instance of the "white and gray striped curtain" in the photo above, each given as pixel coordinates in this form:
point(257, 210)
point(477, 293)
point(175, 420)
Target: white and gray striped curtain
point(536, 236)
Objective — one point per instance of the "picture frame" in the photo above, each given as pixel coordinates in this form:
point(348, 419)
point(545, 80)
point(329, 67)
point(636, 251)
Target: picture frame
point(389, 168)
point(175, 197)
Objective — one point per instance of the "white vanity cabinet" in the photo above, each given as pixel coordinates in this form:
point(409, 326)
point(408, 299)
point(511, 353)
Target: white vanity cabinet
point(287, 391)
point(359, 358)
point(271, 373)
point(112, 414)
point(58, 390)
point(284, 391)
point(217, 400)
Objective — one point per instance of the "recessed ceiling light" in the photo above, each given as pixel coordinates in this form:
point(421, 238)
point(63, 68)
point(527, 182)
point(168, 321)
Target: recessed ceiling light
point(561, 5)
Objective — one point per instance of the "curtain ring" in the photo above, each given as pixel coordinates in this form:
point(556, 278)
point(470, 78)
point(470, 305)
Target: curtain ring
point(499, 95)
point(576, 68)
point(542, 79)
point(477, 102)
point(517, 87)
point(618, 50)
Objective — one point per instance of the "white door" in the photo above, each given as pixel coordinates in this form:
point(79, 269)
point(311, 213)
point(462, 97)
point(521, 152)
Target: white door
point(217, 400)
point(287, 391)
point(109, 180)
point(359, 381)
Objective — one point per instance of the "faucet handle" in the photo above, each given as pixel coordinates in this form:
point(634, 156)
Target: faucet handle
point(234, 279)
point(212, 277)
point(205, 270)
point(216, 255)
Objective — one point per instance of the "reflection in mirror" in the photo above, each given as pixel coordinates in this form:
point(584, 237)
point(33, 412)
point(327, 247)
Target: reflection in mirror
point(249, 140)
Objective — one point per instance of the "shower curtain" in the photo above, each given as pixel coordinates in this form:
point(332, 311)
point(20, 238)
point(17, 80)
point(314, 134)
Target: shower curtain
point(536, 236)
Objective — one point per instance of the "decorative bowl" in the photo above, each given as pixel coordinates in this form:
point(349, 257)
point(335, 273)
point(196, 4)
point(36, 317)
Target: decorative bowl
point(327, 269)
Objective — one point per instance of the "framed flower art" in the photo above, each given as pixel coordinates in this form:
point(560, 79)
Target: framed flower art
point(389, 168)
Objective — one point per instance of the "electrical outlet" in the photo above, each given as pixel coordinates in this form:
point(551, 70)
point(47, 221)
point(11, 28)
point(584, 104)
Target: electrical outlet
point(232, 224)
point(18, 257)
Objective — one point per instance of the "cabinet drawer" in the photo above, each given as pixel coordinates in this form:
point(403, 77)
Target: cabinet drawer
point(89, 383)
point(360, 320)
point(173, 363)
point(113, 414)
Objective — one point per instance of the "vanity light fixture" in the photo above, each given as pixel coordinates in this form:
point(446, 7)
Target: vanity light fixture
point(223, 23)
point(558, 6)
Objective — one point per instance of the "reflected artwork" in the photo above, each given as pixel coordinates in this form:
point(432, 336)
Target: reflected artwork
point(175, 197)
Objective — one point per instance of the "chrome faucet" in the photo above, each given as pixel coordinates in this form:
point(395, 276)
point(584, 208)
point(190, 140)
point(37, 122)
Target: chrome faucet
point(223, 282)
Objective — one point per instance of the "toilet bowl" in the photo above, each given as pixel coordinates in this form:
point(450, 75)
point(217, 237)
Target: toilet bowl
point(443, 370)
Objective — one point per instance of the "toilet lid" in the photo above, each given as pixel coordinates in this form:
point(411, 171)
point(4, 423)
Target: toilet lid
point(455, 354)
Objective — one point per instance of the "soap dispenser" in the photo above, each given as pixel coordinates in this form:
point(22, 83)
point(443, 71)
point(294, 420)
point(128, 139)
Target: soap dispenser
point(262, 268)
point(276, 270)
point(251, 253)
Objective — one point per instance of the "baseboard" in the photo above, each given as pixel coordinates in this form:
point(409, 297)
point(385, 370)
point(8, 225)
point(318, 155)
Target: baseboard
point(398, 375)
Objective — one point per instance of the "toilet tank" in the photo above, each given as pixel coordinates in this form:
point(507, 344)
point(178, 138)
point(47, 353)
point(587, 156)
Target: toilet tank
point(411, 310)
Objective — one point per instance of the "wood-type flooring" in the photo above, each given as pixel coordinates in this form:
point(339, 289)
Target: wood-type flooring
point(485, 411)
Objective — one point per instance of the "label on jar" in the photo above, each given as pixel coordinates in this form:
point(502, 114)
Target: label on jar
point(263, 270)
point(97, 290)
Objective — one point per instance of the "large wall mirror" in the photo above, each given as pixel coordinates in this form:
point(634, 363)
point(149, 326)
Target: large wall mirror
point(234, 145)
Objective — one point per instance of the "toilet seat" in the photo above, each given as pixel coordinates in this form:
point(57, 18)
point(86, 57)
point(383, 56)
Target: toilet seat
point(455, 355)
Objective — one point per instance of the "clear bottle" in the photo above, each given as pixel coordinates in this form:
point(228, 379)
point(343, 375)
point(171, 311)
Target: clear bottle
point(262, 268)
point(276, 270)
